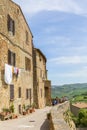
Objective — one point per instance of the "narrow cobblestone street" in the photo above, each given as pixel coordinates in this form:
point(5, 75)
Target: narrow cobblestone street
point(34, 121)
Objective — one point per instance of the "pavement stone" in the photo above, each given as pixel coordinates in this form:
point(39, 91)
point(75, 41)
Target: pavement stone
point(35, 121)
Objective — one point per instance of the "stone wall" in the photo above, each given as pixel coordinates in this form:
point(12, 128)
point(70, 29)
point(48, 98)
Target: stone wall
point(39, 74)
point(74, 109)
point(48, 92)
point(57, 115)
point(8, 7)
point(20, 44)
point(17, 44)
point(24, 79)
point(81, 129)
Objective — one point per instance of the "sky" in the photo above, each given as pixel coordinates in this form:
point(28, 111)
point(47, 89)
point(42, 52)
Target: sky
point(59, 28)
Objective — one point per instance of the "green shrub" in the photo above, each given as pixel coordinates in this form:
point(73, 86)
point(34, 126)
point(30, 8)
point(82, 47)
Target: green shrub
point(82, 117)
point(12, 108)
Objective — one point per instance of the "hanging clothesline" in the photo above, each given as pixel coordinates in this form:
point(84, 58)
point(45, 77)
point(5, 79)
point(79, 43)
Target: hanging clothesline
point(9, 70)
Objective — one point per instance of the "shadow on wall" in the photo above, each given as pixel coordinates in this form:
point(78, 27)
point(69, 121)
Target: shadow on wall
point(81, 129)
point(46, 125)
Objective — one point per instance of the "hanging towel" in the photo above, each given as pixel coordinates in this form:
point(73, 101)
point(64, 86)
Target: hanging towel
point(15, 70)
point(8, 74)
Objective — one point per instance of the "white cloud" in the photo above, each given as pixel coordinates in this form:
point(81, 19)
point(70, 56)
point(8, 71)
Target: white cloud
point(34, 6)
point(69, 60)
point(75, 76)
point(58, 40)
point(82, 72)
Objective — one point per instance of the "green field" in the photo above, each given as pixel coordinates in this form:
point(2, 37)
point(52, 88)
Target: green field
point(77, 92)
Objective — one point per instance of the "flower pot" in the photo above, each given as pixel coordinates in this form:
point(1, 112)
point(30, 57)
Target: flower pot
point(24, 112)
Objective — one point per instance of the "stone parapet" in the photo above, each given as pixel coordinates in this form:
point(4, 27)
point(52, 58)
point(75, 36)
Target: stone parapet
point(57, 117)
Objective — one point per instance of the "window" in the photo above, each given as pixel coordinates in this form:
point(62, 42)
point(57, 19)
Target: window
point(41, 92)
point(44, 76)
point(27, 64)
point(28, 93)
point(26, 37)
point(11, 25)
point(11, 58)
point(19, 109)
point(11, 92)
point(19, 92)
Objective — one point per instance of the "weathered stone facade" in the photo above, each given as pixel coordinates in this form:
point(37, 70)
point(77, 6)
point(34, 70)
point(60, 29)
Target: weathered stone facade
point(75, 107)
point(17, 50)
point(60, 119)
point(47, 85)
point(22, 47)
point(42, 86)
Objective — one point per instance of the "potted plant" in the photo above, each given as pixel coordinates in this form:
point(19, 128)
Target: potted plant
point(28, 109)
point(6, 111)
point(33, 107)
point(6, 114)
point(24, 110)
point(12, 108)
point(14, 116)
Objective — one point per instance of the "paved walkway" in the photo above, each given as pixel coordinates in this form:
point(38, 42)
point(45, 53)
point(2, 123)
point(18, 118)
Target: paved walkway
point(34, 121)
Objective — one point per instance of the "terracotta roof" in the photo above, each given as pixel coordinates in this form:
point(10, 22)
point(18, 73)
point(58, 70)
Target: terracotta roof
point(80, 105)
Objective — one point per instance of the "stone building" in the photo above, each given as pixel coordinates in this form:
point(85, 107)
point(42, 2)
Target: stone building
point(75, 107)
point(16, 58)
point(42, 86)
point(23, 74)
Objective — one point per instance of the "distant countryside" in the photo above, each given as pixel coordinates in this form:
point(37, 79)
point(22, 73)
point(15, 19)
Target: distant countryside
point(74, 92)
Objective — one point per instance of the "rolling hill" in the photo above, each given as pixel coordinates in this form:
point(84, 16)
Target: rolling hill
point(69, 90)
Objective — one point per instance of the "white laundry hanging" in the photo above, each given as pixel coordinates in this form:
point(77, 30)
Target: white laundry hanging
point(8, 74)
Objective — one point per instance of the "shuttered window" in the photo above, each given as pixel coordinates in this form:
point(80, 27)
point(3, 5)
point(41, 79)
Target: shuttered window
point(11, 58)
point(27, 64)
point(11, 92)
point(26, 37)
point(41, 92)
point(10, 24)
point(19, 107)
point(19, 92)
point(28, 93)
